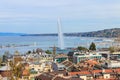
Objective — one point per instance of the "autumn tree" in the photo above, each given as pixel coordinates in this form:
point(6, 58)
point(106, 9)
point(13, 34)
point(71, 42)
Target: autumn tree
point(16, 70)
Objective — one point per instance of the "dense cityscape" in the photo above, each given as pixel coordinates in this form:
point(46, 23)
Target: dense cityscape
point(78, 64)
point(60, 40)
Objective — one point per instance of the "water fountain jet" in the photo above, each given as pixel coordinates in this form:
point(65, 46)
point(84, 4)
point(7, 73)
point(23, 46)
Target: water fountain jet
point(60, 35)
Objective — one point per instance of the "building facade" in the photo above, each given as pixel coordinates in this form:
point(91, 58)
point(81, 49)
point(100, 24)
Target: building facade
point(77, 57)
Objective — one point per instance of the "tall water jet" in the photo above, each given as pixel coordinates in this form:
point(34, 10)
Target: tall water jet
point(60, 35)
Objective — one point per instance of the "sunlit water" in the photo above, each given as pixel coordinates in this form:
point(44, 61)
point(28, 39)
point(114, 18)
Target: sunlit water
point(44, 42)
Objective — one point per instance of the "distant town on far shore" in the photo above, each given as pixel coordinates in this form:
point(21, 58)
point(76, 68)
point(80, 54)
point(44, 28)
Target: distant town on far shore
point(108, 33)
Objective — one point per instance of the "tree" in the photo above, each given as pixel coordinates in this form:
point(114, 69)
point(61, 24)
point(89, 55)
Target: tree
point(0, 60)
point(111, 49)
point(12, 67)
point(16, 69)
point(29, 52)
point(48, 52)
point(80, 48)
point(16, 53)
point(5, 56)
point(92, 46)
point(34, 51)
point(114, 49)
point(38, 50)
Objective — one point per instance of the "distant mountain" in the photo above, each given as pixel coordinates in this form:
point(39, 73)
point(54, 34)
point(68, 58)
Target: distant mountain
point(114, 32)
point(11, 34)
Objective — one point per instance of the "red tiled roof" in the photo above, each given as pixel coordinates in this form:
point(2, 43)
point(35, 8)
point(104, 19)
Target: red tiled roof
point(92, 62)
point(5, 73)
point(117, 70)
point(60, 78)
point(107, 79)
point(97, 71)
point(82, 72)
point(25, 73)
point(104, 71)
point(108, 71)
point(94, 71)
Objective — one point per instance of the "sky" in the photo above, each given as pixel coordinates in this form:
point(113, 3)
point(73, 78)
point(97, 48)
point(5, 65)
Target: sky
point(40, 16)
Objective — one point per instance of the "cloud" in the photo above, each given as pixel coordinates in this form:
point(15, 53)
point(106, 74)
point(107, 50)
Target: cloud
point(64, 8)
point(37, 3)
point(72, 12)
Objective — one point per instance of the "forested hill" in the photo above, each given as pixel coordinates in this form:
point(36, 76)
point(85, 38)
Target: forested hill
point(115, 32)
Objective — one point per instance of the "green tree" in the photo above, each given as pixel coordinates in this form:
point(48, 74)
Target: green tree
point(92, 46)
point(48, 52)
point(112, 49)
point(29, 52)
point(5, 56)
point(80, 48)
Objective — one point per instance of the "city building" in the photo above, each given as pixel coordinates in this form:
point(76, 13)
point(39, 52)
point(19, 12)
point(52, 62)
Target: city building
point(5, 73)
point(56, 75)
point(111, 64)
point(111, 56)
point(105, 74)
point(79, 56)
point(60, 58)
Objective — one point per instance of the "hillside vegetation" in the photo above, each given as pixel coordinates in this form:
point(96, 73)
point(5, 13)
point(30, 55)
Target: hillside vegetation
point(115, 32)
point(108, 33)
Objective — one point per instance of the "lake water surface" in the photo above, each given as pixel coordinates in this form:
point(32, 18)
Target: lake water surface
point(25, 43)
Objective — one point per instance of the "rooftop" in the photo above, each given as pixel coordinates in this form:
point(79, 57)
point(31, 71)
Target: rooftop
point(5, 73)
point(92, 62)
point(61, 56)
point(104, 71)
point(67, 63)
point(4, 68)
point(55, 76)
point(26, 72)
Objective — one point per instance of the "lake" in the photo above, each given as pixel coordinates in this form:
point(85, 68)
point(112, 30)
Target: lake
point(25, 43)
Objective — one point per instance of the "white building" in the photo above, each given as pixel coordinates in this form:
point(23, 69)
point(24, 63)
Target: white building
point(77, 57)
point(112, 64)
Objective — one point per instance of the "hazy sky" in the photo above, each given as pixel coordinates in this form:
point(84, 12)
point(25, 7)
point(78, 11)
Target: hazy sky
point(40, 16)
